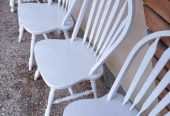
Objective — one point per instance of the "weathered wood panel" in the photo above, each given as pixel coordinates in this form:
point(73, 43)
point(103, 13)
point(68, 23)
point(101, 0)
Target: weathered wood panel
point(161, 7)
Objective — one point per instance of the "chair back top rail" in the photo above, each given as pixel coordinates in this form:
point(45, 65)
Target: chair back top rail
point(150, 79)
point(107, 25)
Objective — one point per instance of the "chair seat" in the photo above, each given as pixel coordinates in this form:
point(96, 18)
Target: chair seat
point(39, 18)
point(100, 107)
point(63, 63)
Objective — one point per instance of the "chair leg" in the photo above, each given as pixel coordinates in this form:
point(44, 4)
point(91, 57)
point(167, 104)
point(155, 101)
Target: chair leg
point(66, 34)
point(21, 33)
point(93, 85)
point(45, 36)
point(32, 51)
point(19, 2)
point(50, 102)
point(12, 5)
point(59, 33)
point(37, 74)
point(70, 90)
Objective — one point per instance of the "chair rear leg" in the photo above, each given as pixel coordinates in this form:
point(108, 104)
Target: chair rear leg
point(45, 36)
point(37, 74)
point(93, 85)
point(12, 5)
point(21, 33)
point(50, 102)
point(71, 90)
point(32, 51)
point(66, 34)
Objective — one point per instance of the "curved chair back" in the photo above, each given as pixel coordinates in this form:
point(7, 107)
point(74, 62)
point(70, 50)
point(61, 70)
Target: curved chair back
point(150, 79)
point(66, 4)
point(108, 23)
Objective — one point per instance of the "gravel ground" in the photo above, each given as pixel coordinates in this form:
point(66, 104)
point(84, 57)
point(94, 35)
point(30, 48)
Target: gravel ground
point(20, 95)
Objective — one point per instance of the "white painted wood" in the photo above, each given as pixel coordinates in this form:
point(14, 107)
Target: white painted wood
point(111, 17)
point(19, 2)
point(50, 2)
point(72, 64)
point(145, 62)
point(30, 64)
point(157, 91)
point(130, 58)
point(99, 107)
point(110, 38)
point(94, 88)
point(99, 10)
point(70, 90)
point(101, 24)
point(66, 34)
point(45, 36)
point(59, 2)
point(121, 36)
point(64, 63)
point(43, 18)
point(12, 5)
point(108, 42)
point(21, 33)
point(37, 74)
point(153, 75)
point(112, 103)
point(50, 102)
point(79, 20)
point(162, 104)
point(74, 96)
point(94, 3)
point(168, 114)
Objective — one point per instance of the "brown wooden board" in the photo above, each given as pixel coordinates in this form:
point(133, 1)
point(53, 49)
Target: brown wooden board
point(153, 21)
point(162, 7)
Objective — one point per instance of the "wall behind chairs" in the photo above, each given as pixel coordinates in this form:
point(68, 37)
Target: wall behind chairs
point(139, 30)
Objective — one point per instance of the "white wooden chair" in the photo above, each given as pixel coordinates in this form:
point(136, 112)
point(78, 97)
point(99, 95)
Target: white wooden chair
point(64, 63)
point(41, 18)
point(114, 103)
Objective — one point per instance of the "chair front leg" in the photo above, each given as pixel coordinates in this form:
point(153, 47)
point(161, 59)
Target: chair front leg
point(12, 5)
point(21, 33)
point(37, 74)
point(93, 85)
point(32, 51)
point(50, 102)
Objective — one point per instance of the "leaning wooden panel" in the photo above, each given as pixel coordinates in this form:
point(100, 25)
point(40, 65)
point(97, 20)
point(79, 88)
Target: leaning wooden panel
point(166, 42)
point(161, 7)
point(153, 21)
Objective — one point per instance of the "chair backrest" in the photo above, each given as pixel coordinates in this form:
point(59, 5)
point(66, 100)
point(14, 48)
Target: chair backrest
point(66, 4)
point(20, 1)
point(108, 23)
point(150, 79)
